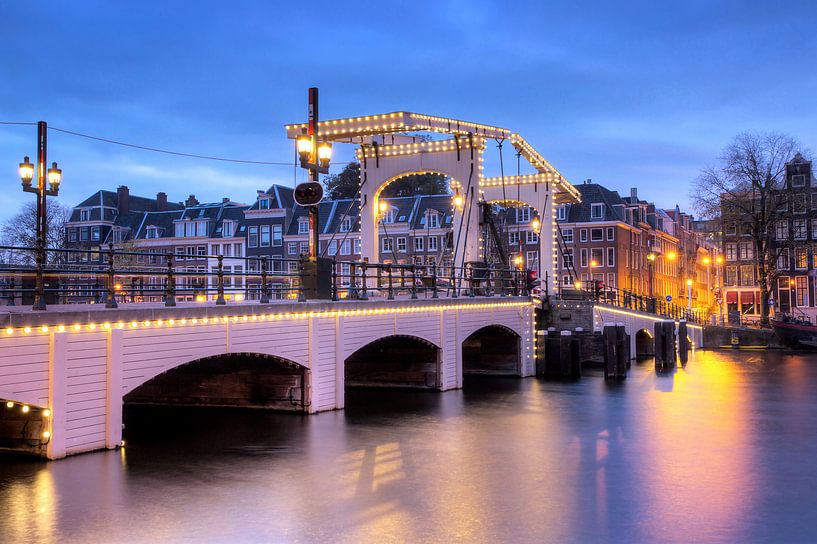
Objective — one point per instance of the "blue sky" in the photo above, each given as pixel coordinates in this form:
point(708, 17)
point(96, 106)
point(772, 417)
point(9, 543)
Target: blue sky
point(627, 93)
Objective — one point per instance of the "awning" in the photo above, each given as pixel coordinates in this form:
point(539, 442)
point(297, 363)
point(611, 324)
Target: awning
point(747, 297)
point(731, 297)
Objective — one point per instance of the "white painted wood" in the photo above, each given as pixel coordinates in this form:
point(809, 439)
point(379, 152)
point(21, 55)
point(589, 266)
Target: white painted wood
point(57, 394)
point(340, 363)
point(113, 390)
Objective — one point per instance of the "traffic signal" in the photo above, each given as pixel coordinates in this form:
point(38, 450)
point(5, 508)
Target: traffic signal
point(309, 193)
point(598, 286)
point(531, 280)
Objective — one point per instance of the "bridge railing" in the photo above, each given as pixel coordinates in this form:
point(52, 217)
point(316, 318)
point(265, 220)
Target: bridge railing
point(622, 298)
point(111, 276)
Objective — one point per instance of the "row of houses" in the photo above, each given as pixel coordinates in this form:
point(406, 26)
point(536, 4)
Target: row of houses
point(624, 242)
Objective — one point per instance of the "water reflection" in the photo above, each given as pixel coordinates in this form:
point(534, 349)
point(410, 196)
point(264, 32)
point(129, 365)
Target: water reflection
point(719, 451)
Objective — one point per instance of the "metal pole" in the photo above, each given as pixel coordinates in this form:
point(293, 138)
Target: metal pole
point(42, 152)
point(314, 222)
point(264, 293)
point(220, 281)
point(111, 302)
point(170, 291)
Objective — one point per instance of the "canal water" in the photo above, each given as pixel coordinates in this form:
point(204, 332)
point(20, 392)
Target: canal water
point(722, 451)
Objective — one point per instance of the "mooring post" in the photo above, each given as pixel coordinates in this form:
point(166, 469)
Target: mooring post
point(683, 342)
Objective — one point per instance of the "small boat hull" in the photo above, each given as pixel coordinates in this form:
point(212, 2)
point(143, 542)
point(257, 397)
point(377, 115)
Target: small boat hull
point(796, 335)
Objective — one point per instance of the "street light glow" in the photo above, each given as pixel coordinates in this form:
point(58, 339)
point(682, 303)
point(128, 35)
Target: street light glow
point(26, 171)
point(54, 176)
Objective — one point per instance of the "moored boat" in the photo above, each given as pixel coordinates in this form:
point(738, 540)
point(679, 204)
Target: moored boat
point(796, 333)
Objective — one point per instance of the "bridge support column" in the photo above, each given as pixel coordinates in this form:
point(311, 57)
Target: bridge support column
point(57, 393)
point(113, 388)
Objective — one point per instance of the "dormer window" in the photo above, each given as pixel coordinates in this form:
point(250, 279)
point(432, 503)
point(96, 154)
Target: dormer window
point(596, 211)
point(152, 232)
point(433, 220)
point(85, 215)
point(523, 215)
point(390, 215)
point(798, 180)
point(263, 203)
point(227, 229)
point(561, 213)
point(346, 224)
point(303, 225)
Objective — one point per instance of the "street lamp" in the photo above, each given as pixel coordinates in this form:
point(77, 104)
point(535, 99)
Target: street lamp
point(689, 294)
point(535, 225)
point(458, 200)
point(54, 177)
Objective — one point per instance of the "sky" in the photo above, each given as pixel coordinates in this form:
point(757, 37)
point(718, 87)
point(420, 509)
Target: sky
point(628, 94)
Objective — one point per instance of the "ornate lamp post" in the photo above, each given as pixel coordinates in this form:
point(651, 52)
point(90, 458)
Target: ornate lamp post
point(54, 176)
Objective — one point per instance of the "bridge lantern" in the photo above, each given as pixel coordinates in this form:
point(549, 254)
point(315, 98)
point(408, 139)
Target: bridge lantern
point(324, 154)
point(304, 149)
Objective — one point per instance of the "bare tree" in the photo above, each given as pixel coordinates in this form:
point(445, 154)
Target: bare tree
point(21, 231)
point(745, 189)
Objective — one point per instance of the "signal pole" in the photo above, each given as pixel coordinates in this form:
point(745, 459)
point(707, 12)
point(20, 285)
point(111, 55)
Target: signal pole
point(312, 132)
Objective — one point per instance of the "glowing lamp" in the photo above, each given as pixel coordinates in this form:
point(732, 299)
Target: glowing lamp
point(707, 260)
point(26, 172)
point(594, 263)
point(383, 207)
point(536, 225)
point(25, 409)
point(46, 434)
point(517, 260)
point(689, 283)
point(118, 286)
point(719, 260)
point(54, 177)
point(671, 255)
point(9, 404)
point(324, 154)
point(578, 284)
point(651, 256)
point(458, 200)
point(304, 148)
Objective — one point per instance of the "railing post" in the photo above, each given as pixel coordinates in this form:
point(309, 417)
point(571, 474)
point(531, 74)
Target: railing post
point(351, 292)
point(220, 281)
point(364, 288)
point(391, 288)
point(301, 288)
point(334, 279)
point(264, 291)
point(414, 282)
point(170, 288)
point(403, 278)
point(471, 289)
point(453, 283)
point(434, 293)
point(111, 302)
point(488, 286)
point(39, 286)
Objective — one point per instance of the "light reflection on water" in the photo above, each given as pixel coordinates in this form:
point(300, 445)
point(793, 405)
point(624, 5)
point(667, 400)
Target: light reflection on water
point(721, 451)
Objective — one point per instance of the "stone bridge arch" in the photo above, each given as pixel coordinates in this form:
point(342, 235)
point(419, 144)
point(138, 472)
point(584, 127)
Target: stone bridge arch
point(494, 350)
point(401, 360)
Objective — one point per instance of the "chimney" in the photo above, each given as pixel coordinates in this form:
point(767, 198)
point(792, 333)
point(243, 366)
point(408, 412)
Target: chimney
point(634, 193)
point(161, 202)
point(225, 200)
point(588, 181)
point(191, 201)
point(122, 199)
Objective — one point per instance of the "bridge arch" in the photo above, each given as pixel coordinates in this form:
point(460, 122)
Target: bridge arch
point(397, 360)
point(254, 380)
point(492, 349)
point(644, 343)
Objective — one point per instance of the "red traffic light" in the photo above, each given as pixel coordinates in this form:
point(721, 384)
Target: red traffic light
point(309, 193)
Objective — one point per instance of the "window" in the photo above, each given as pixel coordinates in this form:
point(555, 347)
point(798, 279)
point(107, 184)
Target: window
point(611, 234)
point(513, 237)
point(180, 253)
point(561, 213)
point(567, 259)
point(523, 214)
point(582, 235)
point(814, 229)
point(781, 230)
point(419, 244)
point(731, 252)
point(401, 244)
point(798, 180)
point(596, 235)
point(814, 257)
point(432, 244)
point(237, 250)
point(346, 247)
point(532, 260)
point(611, 256)
point(303, 225)
point(433, 220)
point(72, 235)
point(227, 229)
point(191, 252)
point(292, 248)
point(783, 259)
point(252, 237)
point(390, 215)
point(201, 251)
point(799, 230)
point(745, 251)
point(85, 215)
point(346, 224)
point(357, 246)
point(596, 257)
point(238, 280)
point(798, 203)
point(190, 229)
point(611, 281)
point(596, 211)
point(814, 201)
point(386, 245)
point(332, 250)
point(567, 236)
point(265, 235)
point(800, 258)
point(747, 275)
point(277, 236)
point(801, 290)
point(531, 237)
point(583, 257)
point(731, 228)
point(304, 247)
point(228, 250)
point(263, 203)
point(731, 275)
point(151, 232)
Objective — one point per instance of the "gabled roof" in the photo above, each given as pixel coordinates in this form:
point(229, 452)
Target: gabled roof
point(280, 197)
point(593, 193)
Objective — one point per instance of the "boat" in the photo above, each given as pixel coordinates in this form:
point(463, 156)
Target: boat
point(795, 332)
